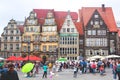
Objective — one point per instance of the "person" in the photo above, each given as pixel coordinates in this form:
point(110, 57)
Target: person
point(114, 71)
point(11, 74)
point(45, 67)
point(118, 70)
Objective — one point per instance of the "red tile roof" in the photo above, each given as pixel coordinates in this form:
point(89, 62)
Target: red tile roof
point(63, 14)
point(59, 23)
point(79, 27)
point(119, 32)
point(21, 28)
point(41, 14)
point(108, 17)
point(59, 16)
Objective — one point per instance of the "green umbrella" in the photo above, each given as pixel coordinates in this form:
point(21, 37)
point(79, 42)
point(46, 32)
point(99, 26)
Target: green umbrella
point(27, 67)
point(62, 59)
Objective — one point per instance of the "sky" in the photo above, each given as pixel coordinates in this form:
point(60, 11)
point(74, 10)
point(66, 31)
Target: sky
point(19, 9)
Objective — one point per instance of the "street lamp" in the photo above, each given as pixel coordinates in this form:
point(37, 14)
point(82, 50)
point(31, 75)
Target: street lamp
point(28, 50)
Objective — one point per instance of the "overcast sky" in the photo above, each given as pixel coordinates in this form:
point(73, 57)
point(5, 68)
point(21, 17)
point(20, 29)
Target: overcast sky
point(19, 9)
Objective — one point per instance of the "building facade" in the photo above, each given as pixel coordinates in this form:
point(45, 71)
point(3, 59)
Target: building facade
point(49, 37)
point(100, 31)
point(69, 39)
point(31, 36)
point(53, 34)
point(11, 39)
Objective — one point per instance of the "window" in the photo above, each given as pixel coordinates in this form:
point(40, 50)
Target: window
point(31, 29)
point(44, 29)
point(72, 29)
point(12, 25)
point(101, 22)
point(50, 38)
point(12, 32)
point(27, 29)
point(17, 46)
point(93, 32)
point(17, 38)
point(68, 29)
point(64, 29)
point(68, 22)
point(49, 29)
point(5, 46)
point(17, 31)
point(11, 46)
point(44, 39)
point(50, 48)
point(5, 38)
point(96, 16)
point(96, 22)
point(11, 38)
point(101, 32)
point(25, 48)
point(91, 22)
point(53, 29)
point(89, 32)
point(96, 42)
point(44, 48)
point(81, 41)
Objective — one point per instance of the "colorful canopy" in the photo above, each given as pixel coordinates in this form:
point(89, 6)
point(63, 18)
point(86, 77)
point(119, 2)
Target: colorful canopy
point(32, 57)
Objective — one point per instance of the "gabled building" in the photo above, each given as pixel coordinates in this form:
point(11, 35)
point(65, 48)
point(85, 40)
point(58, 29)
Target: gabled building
point(100, 30)
point(11, 39)
point(69, 39)
point(31, 36)
point(49, 37)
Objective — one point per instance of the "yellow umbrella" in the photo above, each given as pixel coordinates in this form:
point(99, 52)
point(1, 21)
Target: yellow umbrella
point(27, 67)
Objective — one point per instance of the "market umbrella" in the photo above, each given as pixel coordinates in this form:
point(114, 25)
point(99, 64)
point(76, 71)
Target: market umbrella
point(19, 58)
point(32, 58)
point(96, 57)
point(2, 58)
point(112, 56)
point(27, 67)
point(62, 59)
point(11, 58)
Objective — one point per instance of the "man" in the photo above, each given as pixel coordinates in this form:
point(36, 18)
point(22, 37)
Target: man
point(11, 74)
point(118, 70)
point(45, 67)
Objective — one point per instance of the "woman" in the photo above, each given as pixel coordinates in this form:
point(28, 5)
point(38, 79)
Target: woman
point(11, 74)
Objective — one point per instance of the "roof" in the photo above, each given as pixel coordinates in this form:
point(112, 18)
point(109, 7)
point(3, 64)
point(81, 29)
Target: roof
point(119, 32)
point(41, 14)
point(79, 27)
point(59, 16)
point(107, 15)
point(21, 28)
point(63, 14)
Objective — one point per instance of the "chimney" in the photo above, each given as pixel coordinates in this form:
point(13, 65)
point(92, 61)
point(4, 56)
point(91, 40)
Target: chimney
point(103, 7)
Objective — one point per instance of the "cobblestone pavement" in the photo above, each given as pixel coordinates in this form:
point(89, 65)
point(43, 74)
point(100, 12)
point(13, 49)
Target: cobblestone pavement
point(68, 75)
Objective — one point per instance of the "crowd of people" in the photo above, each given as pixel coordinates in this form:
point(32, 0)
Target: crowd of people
point(82, 66)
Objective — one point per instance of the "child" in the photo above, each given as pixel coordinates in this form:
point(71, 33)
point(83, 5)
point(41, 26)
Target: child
point(51, 75)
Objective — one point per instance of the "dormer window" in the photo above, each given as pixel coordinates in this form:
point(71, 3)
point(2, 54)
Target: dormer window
point(50, 15)
point(96, 16)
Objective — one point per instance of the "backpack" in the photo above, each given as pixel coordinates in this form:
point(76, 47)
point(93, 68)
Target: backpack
point(118, 68)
